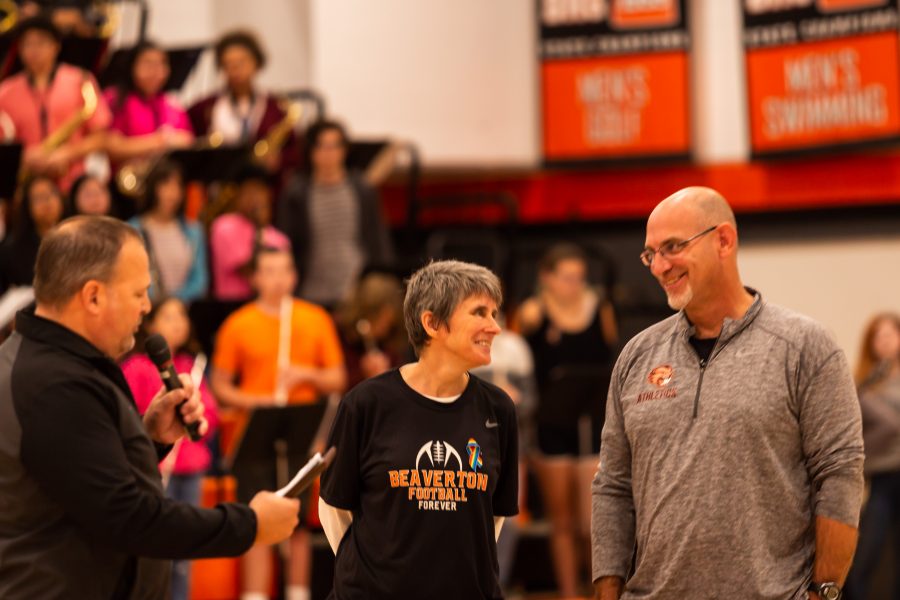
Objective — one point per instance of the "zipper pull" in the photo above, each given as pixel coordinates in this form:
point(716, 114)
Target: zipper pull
point(702, 363)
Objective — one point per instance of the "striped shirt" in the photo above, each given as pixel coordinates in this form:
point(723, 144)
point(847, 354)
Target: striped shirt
point(336, 255)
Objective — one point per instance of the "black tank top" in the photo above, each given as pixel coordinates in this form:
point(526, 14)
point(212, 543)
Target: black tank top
point(553, 348)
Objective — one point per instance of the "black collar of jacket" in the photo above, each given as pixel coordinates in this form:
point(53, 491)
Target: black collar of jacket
point(51, 333)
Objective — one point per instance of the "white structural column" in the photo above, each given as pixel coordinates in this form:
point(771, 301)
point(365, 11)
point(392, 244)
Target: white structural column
point(720, 124)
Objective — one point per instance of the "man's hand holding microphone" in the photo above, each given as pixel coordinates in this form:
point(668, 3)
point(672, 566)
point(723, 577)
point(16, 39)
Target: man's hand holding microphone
point(178, 409)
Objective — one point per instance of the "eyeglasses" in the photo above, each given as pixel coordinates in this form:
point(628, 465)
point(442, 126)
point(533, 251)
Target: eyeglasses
point(670, 249)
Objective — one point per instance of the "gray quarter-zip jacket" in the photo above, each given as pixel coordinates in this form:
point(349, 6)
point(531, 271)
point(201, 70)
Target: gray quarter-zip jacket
point(715, 470)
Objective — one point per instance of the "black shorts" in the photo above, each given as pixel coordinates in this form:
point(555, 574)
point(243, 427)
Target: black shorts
point(554, 440)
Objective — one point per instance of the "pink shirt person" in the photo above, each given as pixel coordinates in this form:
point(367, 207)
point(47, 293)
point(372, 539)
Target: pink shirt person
point(136, 115)
point(231, 239)
point(143, 378)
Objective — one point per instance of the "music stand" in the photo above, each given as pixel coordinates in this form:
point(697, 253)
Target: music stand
point(84, 52)
point(280, 436)
point(181, 62)
point(361, 153)
point(10, 162)
point(208, 165)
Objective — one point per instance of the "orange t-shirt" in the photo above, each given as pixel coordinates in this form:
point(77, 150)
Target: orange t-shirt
point(247, 346)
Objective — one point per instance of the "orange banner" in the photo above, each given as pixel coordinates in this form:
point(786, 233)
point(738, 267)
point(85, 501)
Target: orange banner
point(841, 5)
point(616, 106)
point(823, 93)
point(639, 14)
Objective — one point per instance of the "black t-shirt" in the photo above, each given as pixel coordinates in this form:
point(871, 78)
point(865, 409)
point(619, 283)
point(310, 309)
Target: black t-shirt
point(703, 346)
point(424, 481)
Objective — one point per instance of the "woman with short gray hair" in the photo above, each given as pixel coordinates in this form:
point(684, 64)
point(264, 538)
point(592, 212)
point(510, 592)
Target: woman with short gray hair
point(426, 468)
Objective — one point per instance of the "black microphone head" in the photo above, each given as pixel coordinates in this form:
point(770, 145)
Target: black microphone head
point(158, 350)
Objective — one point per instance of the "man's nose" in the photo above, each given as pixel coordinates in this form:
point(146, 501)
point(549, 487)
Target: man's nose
point(659, 265)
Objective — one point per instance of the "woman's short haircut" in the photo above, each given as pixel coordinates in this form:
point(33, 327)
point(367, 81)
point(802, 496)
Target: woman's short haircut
point(76, 251)
point(244, 38)
point(440, 287)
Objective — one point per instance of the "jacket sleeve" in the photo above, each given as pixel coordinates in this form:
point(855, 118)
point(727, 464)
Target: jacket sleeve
point(376, 235)
point(292, 220)
point(612, 500)
point(72, 448)
point(831, 430)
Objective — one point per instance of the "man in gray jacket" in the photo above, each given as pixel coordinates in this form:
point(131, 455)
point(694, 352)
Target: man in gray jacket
point(731, 456)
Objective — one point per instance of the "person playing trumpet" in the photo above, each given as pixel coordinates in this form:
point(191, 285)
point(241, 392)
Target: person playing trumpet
point(242, 113)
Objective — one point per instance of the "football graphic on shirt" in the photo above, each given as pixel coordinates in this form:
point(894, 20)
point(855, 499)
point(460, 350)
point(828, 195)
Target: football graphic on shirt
point(439, 453)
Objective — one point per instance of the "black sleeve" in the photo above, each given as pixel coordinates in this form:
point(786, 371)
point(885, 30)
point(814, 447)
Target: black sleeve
point(72, 448)
point(379, 247)
point(506, 497)
point(340, 483)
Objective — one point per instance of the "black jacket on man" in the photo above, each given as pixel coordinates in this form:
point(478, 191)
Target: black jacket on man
point(82, 510)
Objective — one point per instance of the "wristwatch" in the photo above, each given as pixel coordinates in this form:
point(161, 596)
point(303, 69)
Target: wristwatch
point(826, 591)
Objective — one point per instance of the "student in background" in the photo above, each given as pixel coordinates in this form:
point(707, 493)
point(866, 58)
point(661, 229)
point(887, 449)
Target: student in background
point(241, 112)
point(247, 373)
point(570, 327)
point(878, 381)
point(187, 463)
point(176, 246)
point(44, 98)
point(235, 237)
point(146, 122)
point(370, 324)
point(89, 195)
point(333, 219)
point(39, 209)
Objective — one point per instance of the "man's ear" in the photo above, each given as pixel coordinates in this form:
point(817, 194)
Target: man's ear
point(93, 296)
point(726, 237)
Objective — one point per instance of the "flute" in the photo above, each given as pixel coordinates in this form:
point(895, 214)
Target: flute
point(284, 350)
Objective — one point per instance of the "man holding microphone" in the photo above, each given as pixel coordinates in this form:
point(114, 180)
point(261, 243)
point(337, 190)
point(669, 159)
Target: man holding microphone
point(82, 510)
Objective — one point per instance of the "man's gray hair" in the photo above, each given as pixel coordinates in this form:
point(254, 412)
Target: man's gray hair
point(440, 287)
point(78, 250)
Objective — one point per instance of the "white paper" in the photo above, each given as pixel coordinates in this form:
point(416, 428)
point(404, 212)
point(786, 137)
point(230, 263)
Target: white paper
point(309, 466)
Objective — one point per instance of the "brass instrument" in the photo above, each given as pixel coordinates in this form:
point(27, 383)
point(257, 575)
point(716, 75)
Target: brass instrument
point(277, 136)
point(110, 18)
point(62, 134)
point(132, 177)
point(10, 15)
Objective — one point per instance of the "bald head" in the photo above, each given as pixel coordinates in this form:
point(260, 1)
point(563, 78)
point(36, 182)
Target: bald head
point(704, 206)
point(692, 237)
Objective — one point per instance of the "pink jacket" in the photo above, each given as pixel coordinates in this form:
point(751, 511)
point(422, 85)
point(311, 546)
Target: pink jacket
point(193, 458)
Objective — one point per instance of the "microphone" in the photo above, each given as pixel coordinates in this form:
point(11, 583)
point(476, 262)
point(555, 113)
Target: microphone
point(158, 351)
